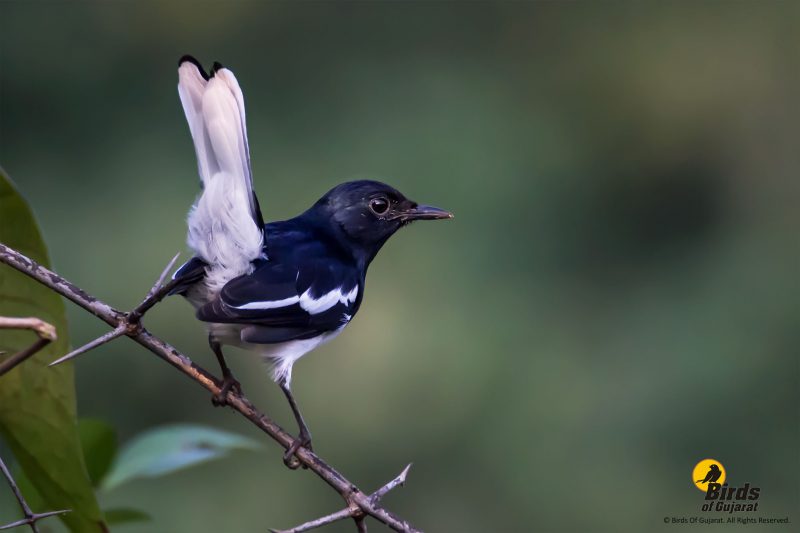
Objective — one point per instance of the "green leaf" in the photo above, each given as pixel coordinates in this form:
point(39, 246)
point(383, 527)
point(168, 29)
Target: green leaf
point(37, 403)
point(124, 515)
point(167, 449)
point(32, 496)
point(99, 442)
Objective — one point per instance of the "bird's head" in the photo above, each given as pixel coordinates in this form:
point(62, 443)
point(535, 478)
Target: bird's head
point(366, 213)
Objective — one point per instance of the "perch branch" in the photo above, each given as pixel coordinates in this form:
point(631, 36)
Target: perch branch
point(131, 322)
point(30, 517)
point(45, 331)
point(350, 512)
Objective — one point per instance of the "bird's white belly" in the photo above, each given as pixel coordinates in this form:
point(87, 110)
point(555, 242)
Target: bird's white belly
point(281, 356)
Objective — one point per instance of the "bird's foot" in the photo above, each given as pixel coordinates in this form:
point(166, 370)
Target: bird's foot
point(229, 383)
point(304, 440)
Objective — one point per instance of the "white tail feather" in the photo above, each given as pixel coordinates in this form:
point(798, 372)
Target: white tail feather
point(191, 86)
point(222, 223)
point(229, 79)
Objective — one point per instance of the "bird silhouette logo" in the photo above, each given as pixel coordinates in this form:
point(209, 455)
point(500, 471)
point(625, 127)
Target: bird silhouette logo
point(708, 471)
point(713, 474)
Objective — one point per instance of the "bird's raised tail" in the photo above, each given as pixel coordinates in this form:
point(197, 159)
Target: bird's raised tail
point(225, 223)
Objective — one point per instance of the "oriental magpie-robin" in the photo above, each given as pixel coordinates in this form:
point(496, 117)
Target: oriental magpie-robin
point(283, 288)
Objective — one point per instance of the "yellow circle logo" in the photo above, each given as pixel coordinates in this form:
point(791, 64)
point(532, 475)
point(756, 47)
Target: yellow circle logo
point(708, 471)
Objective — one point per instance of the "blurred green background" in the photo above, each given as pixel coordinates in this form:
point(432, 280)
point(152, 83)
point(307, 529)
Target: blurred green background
point(615, 300)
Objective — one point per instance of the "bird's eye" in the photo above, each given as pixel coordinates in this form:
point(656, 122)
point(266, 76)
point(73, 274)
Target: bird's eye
point(379, 206)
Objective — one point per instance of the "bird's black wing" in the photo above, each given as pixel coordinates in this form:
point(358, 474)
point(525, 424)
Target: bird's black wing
point(285, 302)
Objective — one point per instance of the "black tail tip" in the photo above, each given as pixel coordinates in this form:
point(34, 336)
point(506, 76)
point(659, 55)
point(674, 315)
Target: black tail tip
point(217, 66)
point(191, 59)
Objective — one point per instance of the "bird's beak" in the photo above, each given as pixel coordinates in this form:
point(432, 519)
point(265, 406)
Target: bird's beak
point(425, 212)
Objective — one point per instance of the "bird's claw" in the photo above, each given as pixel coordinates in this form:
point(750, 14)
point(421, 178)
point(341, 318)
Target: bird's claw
point(289, 459)
point(229, 383)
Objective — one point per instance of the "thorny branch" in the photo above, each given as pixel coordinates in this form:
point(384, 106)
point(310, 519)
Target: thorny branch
point(30, 517)
point(47, 334)
point(45, 331)
point(350, 511)
point(358, 503)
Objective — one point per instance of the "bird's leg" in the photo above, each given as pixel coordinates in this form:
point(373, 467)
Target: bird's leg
point(304, 438)
point(228, 381)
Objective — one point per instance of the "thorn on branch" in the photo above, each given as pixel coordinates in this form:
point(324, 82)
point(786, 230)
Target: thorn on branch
point(30, 517)
point(130, 321)
point(99, 341)
point(31, 520)
point(164, 273)
point(351, 511)
point(400, 480)
point(156, 293)
point(319, 522)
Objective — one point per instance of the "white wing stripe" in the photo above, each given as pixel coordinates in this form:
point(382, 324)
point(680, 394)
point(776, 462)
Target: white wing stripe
point(326, 301)
point(274, 304)
point(307, 302)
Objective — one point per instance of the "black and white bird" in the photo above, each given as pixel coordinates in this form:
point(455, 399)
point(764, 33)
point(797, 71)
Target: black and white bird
point(283, 288)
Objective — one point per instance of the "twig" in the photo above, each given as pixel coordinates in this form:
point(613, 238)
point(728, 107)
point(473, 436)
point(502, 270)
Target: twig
point(347, 512)
point(42, 328)
point(133, 329)
point(350, 512)
point(45, 331)
point(30, 517)
point(33, 519)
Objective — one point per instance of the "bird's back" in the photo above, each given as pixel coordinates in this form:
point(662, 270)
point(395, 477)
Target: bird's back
point(295, 241)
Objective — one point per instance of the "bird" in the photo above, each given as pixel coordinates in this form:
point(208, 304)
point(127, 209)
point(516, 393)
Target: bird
point(713, 474)
point(278, 289)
